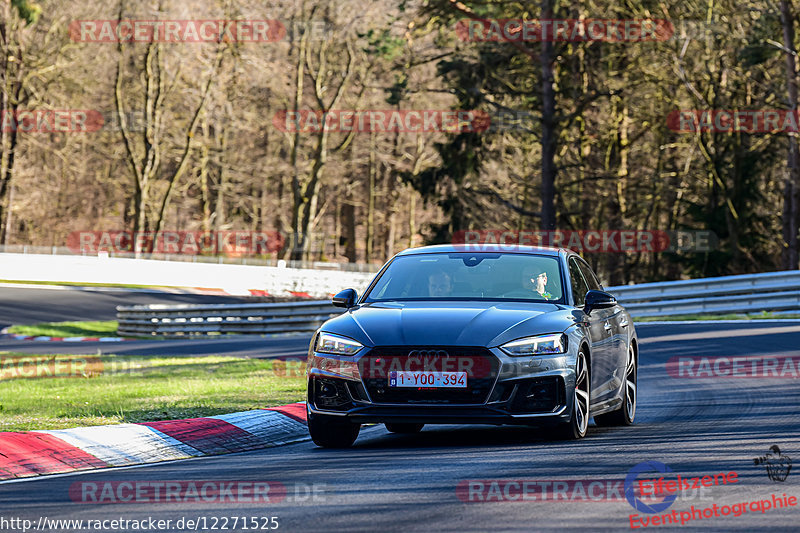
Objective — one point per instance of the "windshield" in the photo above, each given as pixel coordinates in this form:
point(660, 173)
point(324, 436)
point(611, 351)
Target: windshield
point(472, 276)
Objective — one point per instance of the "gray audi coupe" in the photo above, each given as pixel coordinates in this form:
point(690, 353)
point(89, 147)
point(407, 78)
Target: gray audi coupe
point(474, 334)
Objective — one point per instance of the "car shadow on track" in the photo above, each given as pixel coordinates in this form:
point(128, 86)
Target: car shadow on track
point(440, 436)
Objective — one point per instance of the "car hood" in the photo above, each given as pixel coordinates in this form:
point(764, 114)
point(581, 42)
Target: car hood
point(449, 323)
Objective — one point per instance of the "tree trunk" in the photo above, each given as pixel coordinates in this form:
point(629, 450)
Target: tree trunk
point(6, 176)
point(183, 163)
point(295, 247)
point(219, 211)
point(8, 140)
point(4, 35)
point(370, 237)
point(349, 223)
point(9, 222)
point(337, 229)
point(306, 194)
point(308, 198)
point(412, 213)
point(548, 127)
point(791, 190)
point(205, 192)
point(390, 235)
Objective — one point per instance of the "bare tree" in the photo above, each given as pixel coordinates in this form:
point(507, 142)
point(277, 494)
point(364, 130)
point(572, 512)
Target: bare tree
point(791, 190)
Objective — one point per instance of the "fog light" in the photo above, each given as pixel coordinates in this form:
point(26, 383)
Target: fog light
point(539, 395)
point(331, 394)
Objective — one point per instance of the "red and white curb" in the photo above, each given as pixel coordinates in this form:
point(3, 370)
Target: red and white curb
point(34, 453)
point(209, 291)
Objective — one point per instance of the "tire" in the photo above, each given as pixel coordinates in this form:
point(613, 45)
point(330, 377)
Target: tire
point(578, 424)
point(404, 428)
point(627, 411)
point(332, 431)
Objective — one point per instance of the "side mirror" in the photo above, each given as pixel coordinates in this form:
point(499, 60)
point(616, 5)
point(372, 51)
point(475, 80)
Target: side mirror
point(346, 298)
point(598, 300)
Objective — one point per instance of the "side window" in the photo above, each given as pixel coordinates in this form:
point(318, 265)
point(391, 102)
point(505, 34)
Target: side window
point(588, 275)
point(579, 287)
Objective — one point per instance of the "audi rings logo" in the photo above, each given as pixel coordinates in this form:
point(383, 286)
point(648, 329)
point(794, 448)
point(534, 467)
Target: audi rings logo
point(428, 353)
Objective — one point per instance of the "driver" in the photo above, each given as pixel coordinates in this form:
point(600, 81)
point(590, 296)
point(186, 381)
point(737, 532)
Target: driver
point(440, 284)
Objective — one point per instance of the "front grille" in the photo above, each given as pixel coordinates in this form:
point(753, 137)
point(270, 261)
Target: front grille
point(479, 364)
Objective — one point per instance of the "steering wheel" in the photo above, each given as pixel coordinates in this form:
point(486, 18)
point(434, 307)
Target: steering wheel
point(519, 293)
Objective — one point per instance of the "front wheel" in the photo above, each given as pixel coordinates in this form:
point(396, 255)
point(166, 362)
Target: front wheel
point(332, 431)
point(579, 421)
point(627, 411)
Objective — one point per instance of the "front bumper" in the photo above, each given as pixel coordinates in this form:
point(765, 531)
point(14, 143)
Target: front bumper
point(518, 391)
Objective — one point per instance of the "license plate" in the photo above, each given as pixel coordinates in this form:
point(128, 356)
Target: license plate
point(457, 380)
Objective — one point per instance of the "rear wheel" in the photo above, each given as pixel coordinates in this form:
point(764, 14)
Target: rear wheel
point(625, 414)
point(579, 421)
point(332, 431)
point(404, 428)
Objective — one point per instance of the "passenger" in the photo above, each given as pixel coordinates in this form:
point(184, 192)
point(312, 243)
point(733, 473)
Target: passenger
point(541, 285)
point(537, 282)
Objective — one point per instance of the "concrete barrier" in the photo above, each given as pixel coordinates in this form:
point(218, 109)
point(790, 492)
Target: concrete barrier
point(231, 279)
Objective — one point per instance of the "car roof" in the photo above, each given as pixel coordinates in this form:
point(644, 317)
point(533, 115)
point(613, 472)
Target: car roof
point(487, 248)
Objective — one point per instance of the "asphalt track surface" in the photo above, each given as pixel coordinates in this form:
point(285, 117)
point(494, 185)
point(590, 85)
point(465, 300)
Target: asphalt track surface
point(28, 305)
point(253, 346)
point(25, 305)
point(390, 482)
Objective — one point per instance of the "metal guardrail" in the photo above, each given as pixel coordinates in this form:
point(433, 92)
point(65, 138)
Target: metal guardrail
point(774, 291)
point(747, 293)
point(179, 320)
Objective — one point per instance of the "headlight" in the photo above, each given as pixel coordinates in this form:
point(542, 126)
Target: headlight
point(538, 345)
point(332, 365)
point(338, 347)
point(334, 344)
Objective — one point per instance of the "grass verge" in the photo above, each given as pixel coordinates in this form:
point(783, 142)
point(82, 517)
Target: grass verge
point(68, 329)
point(62, 391)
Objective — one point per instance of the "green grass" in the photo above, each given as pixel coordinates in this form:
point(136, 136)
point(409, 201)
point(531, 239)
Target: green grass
point(731, 316)
point(116, 389)
point(68, 329)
